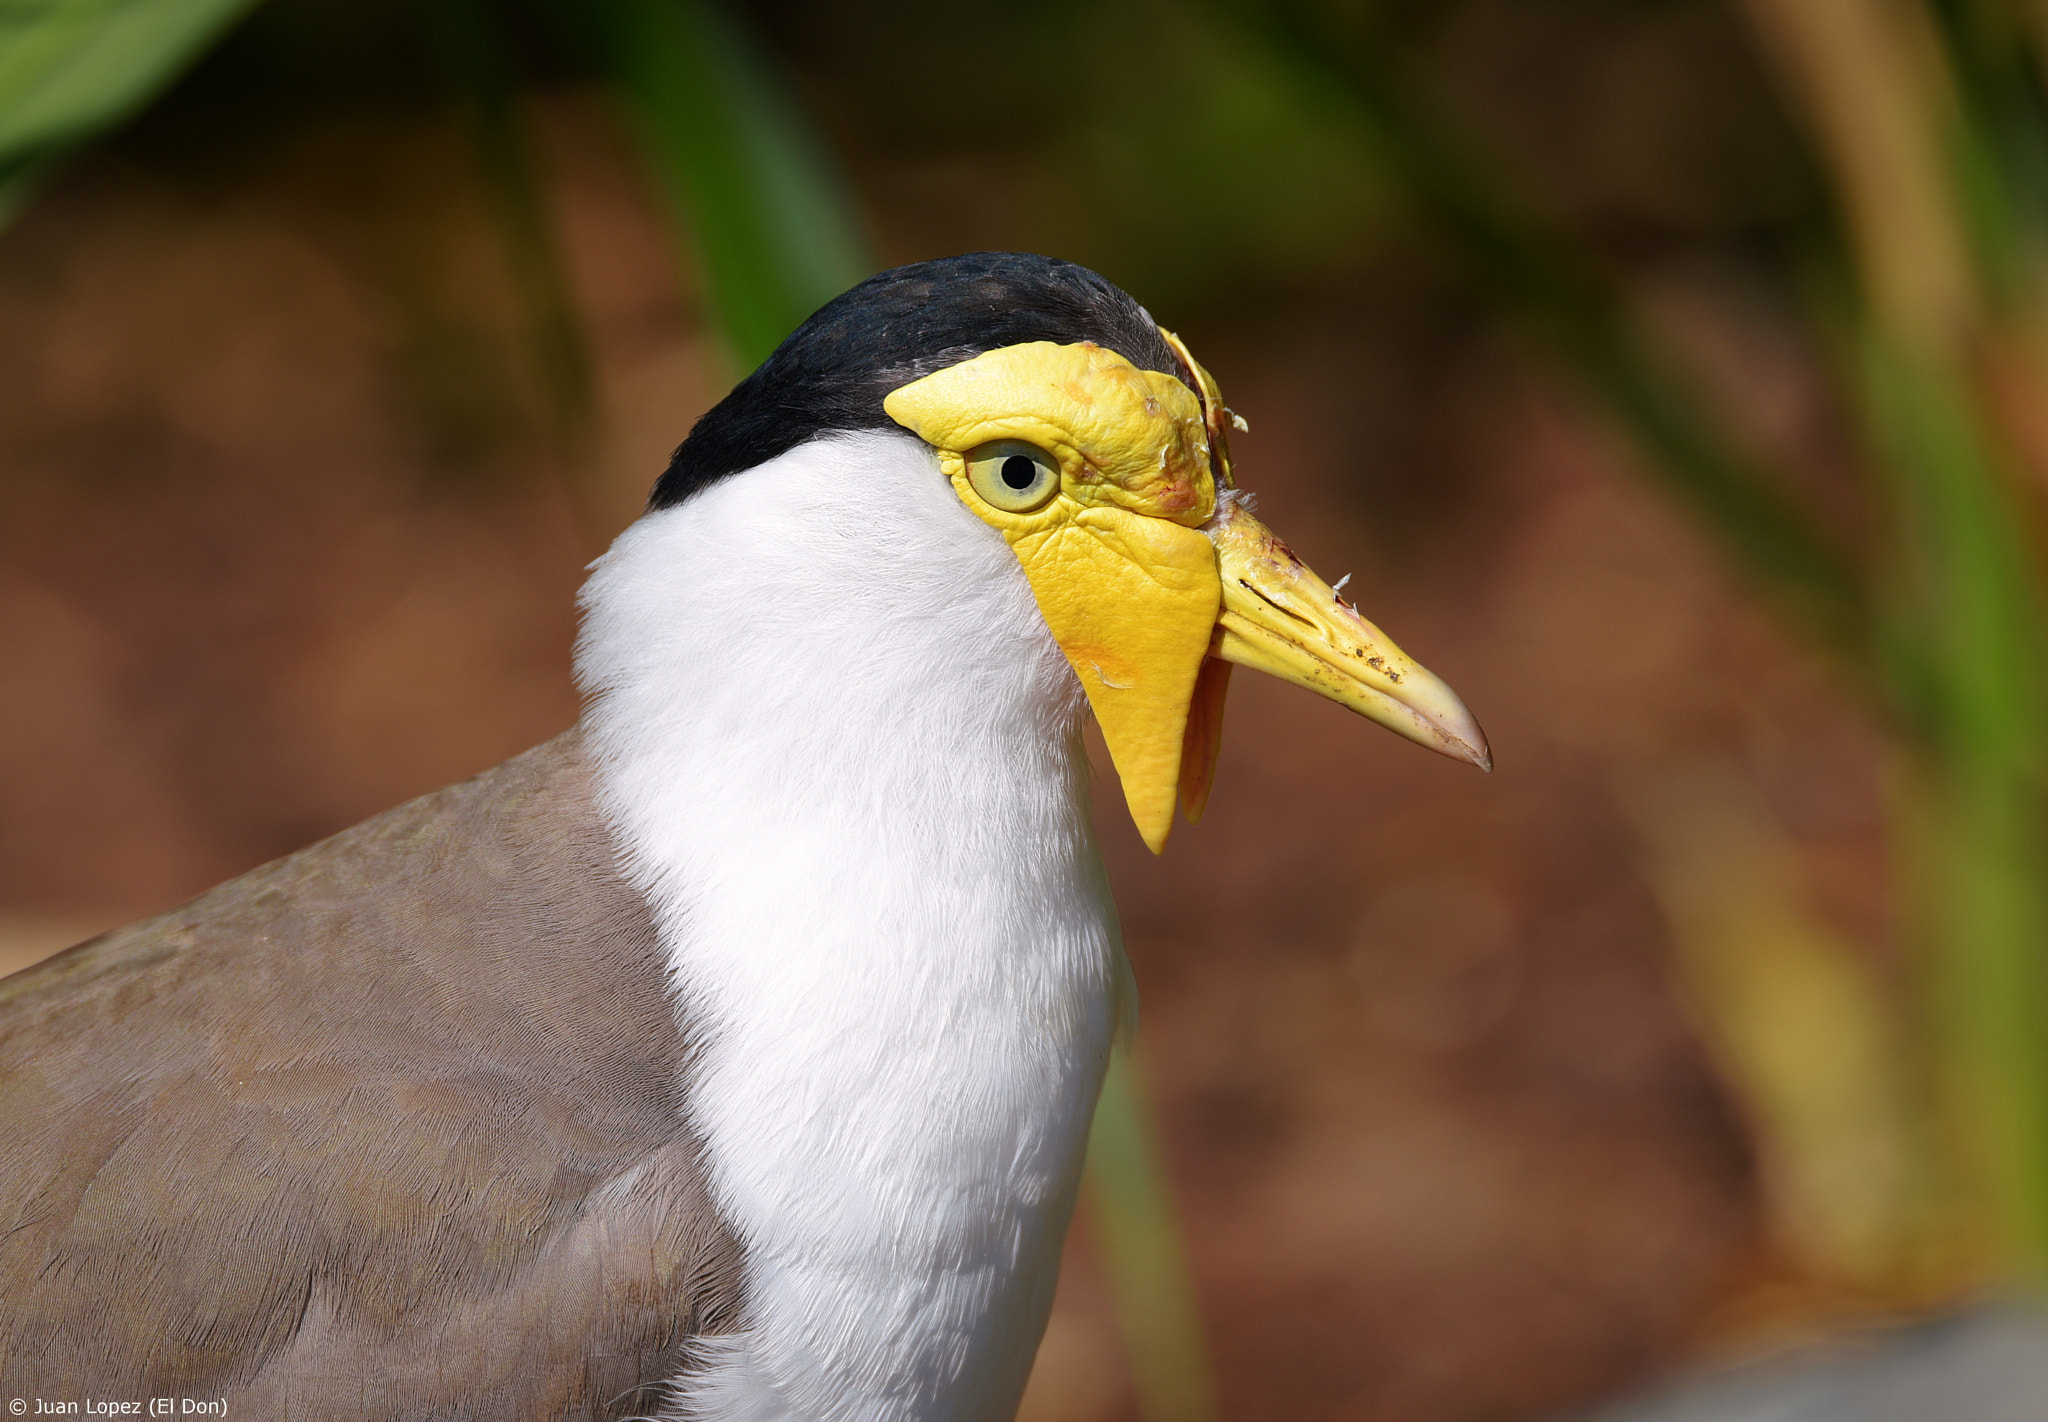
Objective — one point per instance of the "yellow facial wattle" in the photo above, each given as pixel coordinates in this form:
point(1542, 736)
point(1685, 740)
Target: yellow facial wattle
point(1126, 582)
point(1103, 479)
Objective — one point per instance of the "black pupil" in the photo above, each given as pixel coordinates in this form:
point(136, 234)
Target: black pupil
point(1020, 472)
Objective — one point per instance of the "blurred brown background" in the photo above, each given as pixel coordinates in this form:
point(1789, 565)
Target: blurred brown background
point(288, 534)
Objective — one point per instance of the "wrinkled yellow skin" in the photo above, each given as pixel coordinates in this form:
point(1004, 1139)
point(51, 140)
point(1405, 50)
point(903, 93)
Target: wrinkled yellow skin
point(1217, 417)
point(1123, 436)
point(1126, 583)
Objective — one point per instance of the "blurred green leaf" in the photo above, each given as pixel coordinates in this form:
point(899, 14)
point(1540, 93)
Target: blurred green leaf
point(70, 68)
point(771, 228)
point(1969, 600)
point(1899, 100)
point(1140, 1244)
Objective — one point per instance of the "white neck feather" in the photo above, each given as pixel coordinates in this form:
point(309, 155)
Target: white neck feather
point(842, 756)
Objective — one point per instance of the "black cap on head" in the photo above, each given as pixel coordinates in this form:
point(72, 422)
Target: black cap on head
point(832, 373)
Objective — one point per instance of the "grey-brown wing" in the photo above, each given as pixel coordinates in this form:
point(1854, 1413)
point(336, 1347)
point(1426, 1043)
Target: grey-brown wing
point(392, 1128)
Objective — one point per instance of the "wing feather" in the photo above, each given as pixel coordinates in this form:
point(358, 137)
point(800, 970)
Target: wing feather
point(393, 1127)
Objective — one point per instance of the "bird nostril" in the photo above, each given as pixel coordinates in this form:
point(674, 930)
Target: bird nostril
point(1280, 607)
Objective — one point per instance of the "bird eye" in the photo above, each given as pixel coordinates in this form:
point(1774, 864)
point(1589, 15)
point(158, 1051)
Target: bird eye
point(1014, 476)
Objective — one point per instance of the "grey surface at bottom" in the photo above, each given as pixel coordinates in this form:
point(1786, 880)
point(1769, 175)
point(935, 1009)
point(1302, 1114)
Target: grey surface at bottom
point(1988, 1364)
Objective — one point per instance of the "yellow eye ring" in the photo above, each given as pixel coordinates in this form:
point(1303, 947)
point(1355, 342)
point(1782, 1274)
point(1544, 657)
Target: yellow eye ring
point(1012, 475)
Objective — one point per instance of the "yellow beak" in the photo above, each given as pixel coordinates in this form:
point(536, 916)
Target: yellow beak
point(1281, 618)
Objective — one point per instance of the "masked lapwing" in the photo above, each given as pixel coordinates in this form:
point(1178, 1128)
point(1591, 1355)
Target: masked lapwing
point(732, 1055)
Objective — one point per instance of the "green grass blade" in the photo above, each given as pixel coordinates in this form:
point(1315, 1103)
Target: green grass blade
point(1139, 1240)
point(771, 229)
point(1970, 599)
point(70, 68)
point(1898, 99)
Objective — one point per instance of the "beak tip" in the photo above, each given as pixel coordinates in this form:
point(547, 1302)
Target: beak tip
point(1471, 752)
point(1479, 752)
point(1450, 730)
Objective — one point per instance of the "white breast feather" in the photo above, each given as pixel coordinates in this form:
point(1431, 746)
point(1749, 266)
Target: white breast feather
point(843, 756)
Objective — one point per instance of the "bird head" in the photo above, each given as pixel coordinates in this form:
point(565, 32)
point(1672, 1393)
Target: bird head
point(1103, 461)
